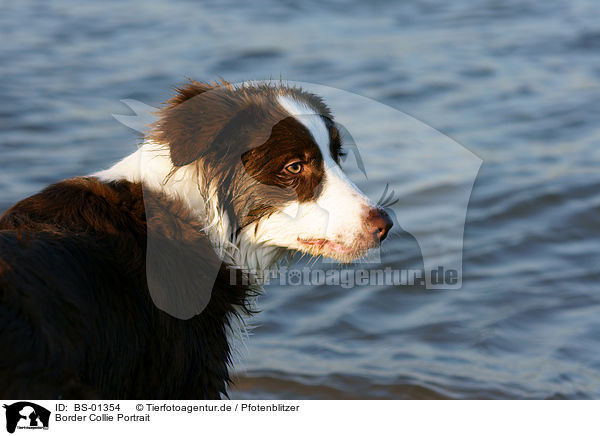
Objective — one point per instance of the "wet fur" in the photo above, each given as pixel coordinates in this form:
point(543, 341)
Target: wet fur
point(81, 324)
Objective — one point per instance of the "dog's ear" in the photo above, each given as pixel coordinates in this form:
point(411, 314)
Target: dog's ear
point(195, 117)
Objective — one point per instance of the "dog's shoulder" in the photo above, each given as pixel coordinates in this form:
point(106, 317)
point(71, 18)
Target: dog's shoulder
point(83, 204)
point(126, 271)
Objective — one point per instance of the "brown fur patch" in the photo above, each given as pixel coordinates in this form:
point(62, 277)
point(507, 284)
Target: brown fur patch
point(243, 139)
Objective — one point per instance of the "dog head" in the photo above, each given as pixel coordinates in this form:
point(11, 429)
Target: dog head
point(269, 156)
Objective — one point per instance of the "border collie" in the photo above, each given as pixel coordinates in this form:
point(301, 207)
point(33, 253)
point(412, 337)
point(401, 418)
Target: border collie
point(102, 277)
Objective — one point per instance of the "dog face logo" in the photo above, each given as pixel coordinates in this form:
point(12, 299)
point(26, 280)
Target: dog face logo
point(26, 415)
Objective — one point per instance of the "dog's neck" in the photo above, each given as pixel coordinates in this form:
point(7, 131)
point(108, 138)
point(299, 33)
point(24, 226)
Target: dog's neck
point(151, 165)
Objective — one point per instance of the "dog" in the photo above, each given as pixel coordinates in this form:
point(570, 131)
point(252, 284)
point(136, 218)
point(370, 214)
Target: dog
point(119, 285)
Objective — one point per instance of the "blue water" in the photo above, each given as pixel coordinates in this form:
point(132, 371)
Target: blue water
point(515, 82)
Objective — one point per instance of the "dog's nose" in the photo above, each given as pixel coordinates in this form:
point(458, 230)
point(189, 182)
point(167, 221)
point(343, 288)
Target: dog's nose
point(379, 223)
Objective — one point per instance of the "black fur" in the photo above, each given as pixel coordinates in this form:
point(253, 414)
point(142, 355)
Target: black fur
point(76, 317)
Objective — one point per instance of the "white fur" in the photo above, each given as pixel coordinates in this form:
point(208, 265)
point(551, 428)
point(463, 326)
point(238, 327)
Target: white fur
point(151, 165)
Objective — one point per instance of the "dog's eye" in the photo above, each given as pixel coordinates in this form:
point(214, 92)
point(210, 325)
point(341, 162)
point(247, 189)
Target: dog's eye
point(295, 168)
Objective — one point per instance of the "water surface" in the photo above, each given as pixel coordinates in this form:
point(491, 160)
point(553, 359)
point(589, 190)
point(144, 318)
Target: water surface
point(517, 83)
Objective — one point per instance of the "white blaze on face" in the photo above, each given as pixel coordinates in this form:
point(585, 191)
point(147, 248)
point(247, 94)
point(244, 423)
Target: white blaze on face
point(333, 224)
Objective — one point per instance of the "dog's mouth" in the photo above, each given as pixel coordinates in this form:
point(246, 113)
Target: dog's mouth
point(333, 249)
